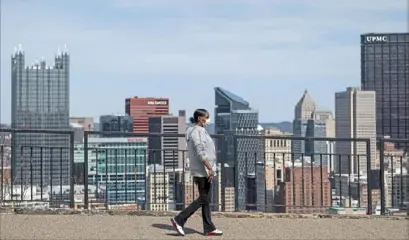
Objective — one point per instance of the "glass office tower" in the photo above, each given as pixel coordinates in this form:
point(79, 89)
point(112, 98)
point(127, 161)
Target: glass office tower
point(385, 70)
point(234, 116)
point(40, 101)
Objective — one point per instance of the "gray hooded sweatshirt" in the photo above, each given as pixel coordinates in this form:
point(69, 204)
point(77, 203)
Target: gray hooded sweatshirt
point(200, 147)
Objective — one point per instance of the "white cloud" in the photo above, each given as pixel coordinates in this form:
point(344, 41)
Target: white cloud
point(266, 40)
point(197, 47)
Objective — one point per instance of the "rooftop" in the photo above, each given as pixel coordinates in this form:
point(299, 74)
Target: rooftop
point(232, 96)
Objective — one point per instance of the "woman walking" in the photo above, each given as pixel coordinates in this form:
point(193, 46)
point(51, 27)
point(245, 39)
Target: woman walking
point(202, 159)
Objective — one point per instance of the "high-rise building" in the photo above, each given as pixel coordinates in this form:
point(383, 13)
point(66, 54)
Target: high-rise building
point(385, 70)
point(324, 127)
point(310, 122)
point(234, 116)
point(265, 184)
point(115, 123)
point(355, 114)
point(303, 112)
point(140, 109)
point(40, 100)
point(170, 151)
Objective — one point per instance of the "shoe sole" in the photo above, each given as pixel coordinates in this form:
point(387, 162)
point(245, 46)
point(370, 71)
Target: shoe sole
point(214, 234)
point(175, 225)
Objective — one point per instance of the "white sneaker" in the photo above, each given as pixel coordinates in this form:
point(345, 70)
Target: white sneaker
point(178, 228)
point(215, 232)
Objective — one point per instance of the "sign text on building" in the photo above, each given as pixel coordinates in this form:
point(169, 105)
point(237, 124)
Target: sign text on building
point(162, 102)
point(376, 39)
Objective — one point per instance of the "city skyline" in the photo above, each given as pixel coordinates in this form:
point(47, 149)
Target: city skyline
point(137, 47)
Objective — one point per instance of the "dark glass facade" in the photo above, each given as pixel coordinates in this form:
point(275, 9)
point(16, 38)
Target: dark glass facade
point(40, 96)
point(234, 116)
point(385, 70)
point(115, 123)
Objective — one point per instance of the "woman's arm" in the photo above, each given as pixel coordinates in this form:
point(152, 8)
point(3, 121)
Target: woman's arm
point(198, 139)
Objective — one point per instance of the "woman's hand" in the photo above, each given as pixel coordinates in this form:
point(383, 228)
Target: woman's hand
point(211, 175)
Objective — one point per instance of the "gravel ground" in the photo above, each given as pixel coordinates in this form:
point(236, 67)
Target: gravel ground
point(14, 226)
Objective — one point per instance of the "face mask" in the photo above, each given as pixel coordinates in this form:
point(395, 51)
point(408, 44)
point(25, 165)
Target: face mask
point(206, 123)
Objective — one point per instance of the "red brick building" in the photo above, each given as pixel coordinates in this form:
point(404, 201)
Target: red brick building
point(315, 196)
point(143, 108)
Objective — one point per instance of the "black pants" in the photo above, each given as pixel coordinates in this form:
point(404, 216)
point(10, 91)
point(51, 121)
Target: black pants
point(203, 201)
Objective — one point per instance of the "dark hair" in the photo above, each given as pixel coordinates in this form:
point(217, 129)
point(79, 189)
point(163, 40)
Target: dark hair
point(198, 113)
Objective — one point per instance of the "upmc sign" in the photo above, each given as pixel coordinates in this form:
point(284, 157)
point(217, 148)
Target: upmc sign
point(161, 102)
point(376, 39)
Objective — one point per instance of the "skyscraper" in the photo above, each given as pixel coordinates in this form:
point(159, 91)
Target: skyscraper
point(140, 109)
point(40, 100)
point(234, 116)
point(303, 112)
point(385, 70)
point(310, 122)
point(169, 151)
point(355, 115)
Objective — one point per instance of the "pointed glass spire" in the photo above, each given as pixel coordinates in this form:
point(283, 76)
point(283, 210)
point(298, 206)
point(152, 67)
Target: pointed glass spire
point(65, 49)
point(20, 49)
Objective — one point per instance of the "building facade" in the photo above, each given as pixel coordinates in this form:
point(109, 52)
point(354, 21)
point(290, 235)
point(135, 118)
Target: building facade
point(158, 191)
point(278, 150)
point(355, 114)
point(170, 151)
point(265, 185)
point(234, 116)
point(87, 123)
point(117, 168)
point(115, 123)
point(40, 100)
point(304, 190)
point(312, 123)
point(385, 70)
point(303, 112)
point(140, 109)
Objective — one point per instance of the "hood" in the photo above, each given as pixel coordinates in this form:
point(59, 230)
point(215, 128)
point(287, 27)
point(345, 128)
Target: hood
point(188, 131)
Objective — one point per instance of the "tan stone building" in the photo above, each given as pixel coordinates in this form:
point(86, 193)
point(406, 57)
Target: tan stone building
point(355, 114)
point(158, 191)
point(277, 150)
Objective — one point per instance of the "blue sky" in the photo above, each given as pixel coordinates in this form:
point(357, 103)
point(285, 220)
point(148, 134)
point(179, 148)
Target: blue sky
point(266, 51)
